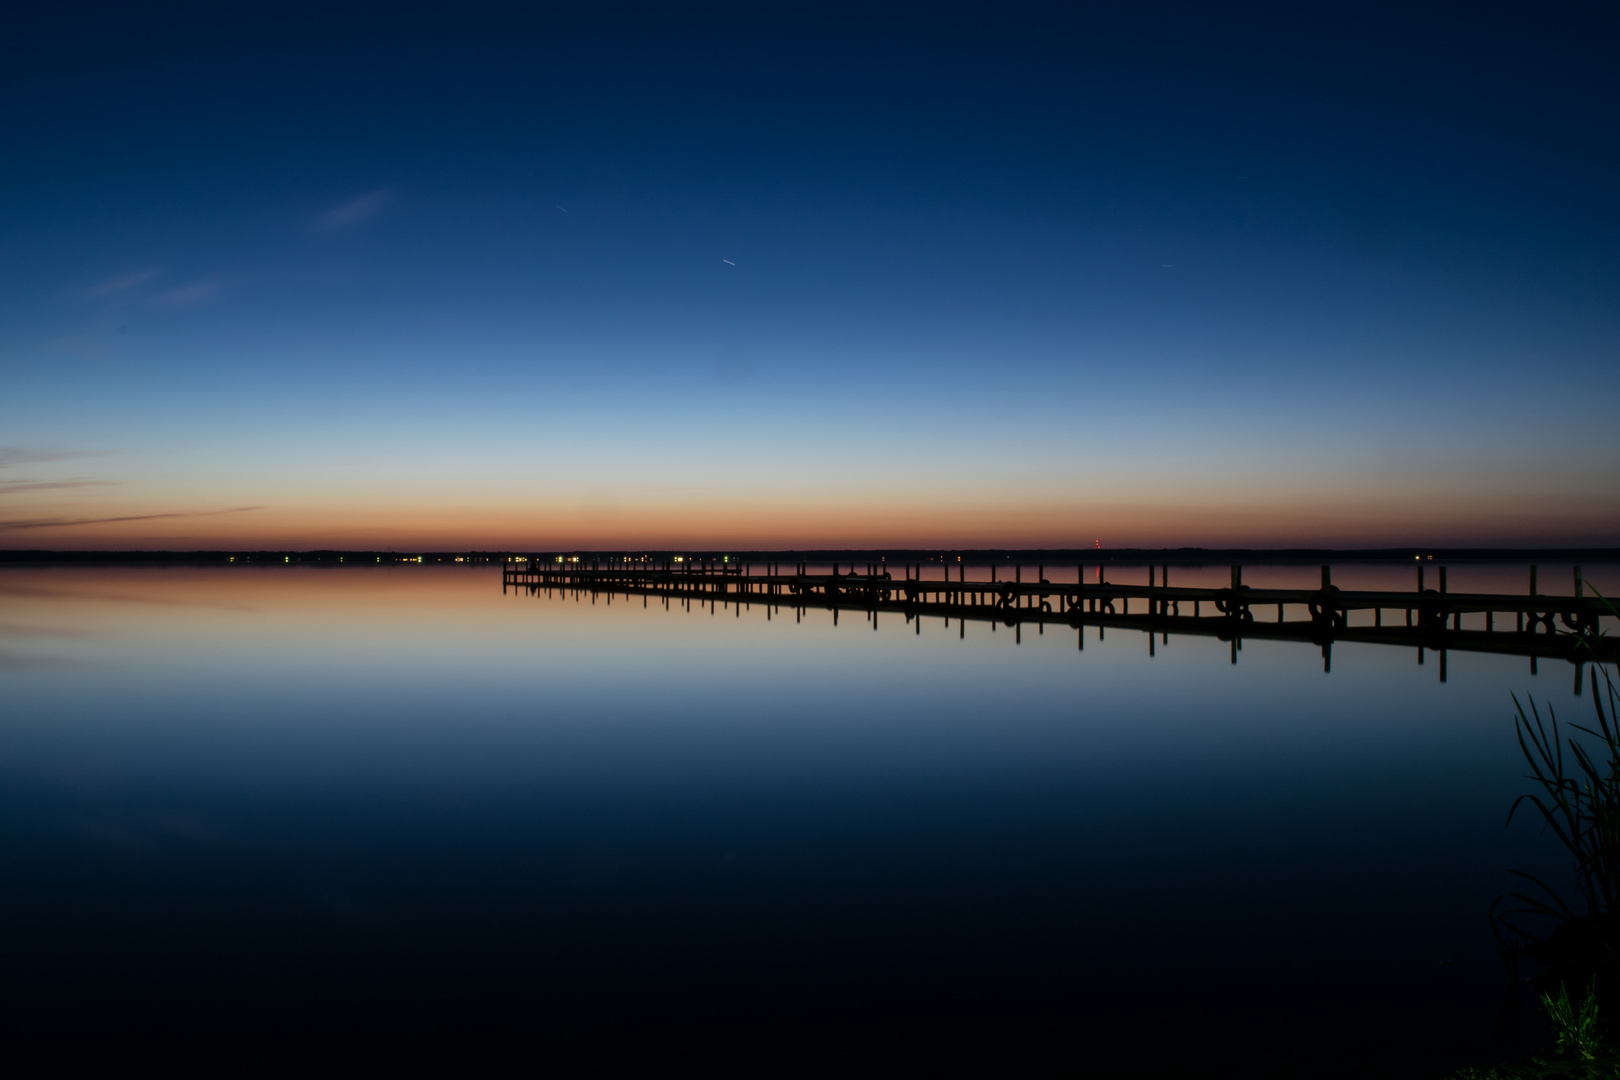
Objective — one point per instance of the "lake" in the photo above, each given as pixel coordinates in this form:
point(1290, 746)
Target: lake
point(301, 815)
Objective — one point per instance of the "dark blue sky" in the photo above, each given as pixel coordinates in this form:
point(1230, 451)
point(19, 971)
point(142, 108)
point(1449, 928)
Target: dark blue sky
point(636, 275)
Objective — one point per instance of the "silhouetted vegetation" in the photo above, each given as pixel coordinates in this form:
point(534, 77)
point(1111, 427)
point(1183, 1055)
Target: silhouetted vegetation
point(1572, 934)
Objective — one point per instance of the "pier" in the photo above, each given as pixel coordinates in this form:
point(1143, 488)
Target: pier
point(1428, 618)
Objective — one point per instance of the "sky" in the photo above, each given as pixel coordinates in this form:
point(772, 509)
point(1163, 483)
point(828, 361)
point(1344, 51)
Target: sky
point(770, 276)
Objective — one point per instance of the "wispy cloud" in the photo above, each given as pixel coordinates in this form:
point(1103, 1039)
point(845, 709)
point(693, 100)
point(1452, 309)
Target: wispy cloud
point(91, 346)
point(21, 455)
point(355, 211)
point(64, 523)
point(187, 295)
point(12, 487)
point(30, 630)
point(10, 661)
point(123, 284)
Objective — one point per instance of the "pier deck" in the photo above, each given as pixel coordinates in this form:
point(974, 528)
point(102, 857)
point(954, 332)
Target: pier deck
point(1534, 624)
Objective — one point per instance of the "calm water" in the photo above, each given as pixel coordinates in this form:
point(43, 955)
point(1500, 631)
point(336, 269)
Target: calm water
point(304, 813)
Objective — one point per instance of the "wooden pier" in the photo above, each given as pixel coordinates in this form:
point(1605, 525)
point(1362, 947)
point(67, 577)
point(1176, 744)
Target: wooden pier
point(1534, 624)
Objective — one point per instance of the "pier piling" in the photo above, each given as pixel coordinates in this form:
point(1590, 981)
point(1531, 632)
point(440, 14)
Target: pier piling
point(1166, 610)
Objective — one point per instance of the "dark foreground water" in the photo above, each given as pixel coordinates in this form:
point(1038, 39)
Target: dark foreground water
point(306, 815)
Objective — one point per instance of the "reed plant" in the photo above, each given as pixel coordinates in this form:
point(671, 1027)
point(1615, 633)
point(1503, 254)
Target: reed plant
point(1575, 1027)
point(1572, 933)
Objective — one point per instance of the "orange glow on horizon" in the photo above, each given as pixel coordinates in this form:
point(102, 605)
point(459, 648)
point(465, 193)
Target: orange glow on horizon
point(779, 523)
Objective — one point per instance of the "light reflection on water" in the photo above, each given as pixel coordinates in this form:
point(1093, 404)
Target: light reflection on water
point(393, 807)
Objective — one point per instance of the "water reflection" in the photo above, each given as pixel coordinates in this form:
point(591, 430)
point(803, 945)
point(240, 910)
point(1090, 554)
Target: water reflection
point(389, 808)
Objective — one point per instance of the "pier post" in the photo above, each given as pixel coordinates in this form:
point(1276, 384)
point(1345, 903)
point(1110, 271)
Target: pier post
point(693, 580)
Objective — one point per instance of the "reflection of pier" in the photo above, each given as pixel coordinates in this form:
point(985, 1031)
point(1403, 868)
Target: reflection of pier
point(1424, 619)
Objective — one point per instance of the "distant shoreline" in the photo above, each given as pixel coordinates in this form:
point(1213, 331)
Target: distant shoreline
point(1183, 556)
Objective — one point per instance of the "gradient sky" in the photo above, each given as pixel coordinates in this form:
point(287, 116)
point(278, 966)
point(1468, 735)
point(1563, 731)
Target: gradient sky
point(531, 276)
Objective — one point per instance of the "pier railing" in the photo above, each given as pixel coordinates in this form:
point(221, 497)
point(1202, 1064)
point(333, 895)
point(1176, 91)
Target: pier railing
point(1534, 624)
